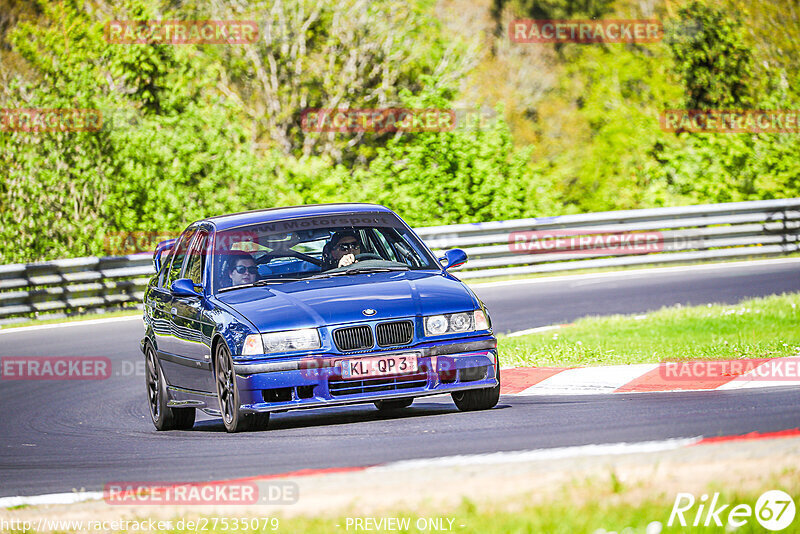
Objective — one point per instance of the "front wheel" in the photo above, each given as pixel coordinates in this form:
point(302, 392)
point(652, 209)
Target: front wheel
point(163, 417)
point(229, 400)
point(478, 399)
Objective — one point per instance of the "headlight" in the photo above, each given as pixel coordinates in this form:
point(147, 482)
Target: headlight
point(460, 322)
point(436, 325)
point(302, 339)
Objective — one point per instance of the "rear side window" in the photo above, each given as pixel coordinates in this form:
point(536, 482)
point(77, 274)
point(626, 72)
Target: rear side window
point(178, 256)
point(166, 259)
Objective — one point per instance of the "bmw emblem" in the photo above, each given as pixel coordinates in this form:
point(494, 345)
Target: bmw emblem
point(369, 312)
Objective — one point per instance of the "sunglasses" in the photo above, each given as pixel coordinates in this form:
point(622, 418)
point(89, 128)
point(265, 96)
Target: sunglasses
point(241, 269)
point(348, 246)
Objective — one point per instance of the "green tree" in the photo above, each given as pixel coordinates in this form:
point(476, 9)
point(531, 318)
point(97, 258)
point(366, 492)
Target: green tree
point(716, 60)
point(549, 9)
point(712, 57)
point(173, 147)
point(458, 176)
point(333, 54)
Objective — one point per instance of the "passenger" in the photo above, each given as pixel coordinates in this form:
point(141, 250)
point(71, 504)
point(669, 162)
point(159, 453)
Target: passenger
point(240, 269)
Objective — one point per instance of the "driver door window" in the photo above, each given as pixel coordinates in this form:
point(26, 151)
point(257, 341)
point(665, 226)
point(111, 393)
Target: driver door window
point(195, 265)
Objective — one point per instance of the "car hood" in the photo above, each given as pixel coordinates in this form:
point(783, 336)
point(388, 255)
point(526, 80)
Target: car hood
point(342, 299)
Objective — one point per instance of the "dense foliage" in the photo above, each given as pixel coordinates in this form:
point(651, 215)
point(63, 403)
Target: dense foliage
point(193, 130)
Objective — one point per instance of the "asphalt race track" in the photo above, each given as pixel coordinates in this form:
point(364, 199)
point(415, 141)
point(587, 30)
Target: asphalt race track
point(63, 435)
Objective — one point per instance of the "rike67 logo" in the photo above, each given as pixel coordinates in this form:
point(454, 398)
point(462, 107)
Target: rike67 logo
point(774, 510)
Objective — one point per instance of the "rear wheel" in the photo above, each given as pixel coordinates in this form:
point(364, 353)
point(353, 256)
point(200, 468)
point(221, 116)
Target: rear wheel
point(478, 399)
point(229, 401)
point(390, 405)
point(163, 417)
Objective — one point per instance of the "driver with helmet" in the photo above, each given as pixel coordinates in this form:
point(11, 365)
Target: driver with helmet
point(342, 249)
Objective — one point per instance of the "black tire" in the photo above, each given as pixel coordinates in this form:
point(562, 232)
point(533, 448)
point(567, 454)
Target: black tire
point(163, 417)
point(478, 399)
point(395, 404)
point(228, 394)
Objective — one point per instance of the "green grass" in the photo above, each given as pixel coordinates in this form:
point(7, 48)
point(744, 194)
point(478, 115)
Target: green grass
point(597, 504)
point(754, 328)
point(591, 507)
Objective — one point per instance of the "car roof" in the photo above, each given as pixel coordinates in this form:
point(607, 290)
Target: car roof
point(233, 220)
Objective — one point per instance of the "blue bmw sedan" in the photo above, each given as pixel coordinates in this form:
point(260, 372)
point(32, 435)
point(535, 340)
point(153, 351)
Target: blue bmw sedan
point(307, 307)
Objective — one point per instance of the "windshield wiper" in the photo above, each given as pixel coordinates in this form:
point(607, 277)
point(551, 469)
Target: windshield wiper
point(369, 270)
point(317, 276)
point(276, 281)
point(261, 283)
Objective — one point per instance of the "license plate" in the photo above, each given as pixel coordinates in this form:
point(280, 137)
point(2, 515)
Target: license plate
point(396, 364)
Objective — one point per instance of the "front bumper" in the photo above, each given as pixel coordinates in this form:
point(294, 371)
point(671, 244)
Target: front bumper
point(308, 382)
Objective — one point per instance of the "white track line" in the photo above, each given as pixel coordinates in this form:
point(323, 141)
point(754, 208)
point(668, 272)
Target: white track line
point(12, 330)
point(539, 454)
point(536, 330)
point(589, 380)
point(53, 498)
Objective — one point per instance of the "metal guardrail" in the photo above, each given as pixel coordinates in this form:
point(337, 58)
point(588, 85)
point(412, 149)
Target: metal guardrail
point(502, 248)
point(73, 284)
point(685, 234)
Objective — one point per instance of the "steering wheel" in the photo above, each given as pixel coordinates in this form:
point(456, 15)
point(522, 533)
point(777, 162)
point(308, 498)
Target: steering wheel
point(267, 256)
point(367, 256)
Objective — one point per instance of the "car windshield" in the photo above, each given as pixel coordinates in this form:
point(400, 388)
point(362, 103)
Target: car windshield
point(315, 247)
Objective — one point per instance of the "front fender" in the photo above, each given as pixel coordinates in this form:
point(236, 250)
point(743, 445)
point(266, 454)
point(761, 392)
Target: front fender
point(231, 328)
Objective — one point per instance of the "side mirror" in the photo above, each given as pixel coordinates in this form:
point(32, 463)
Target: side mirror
point(184, 287)
point(453, 258)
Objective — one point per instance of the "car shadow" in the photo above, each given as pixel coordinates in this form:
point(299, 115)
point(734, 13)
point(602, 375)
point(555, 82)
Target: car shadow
point(342, 415)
